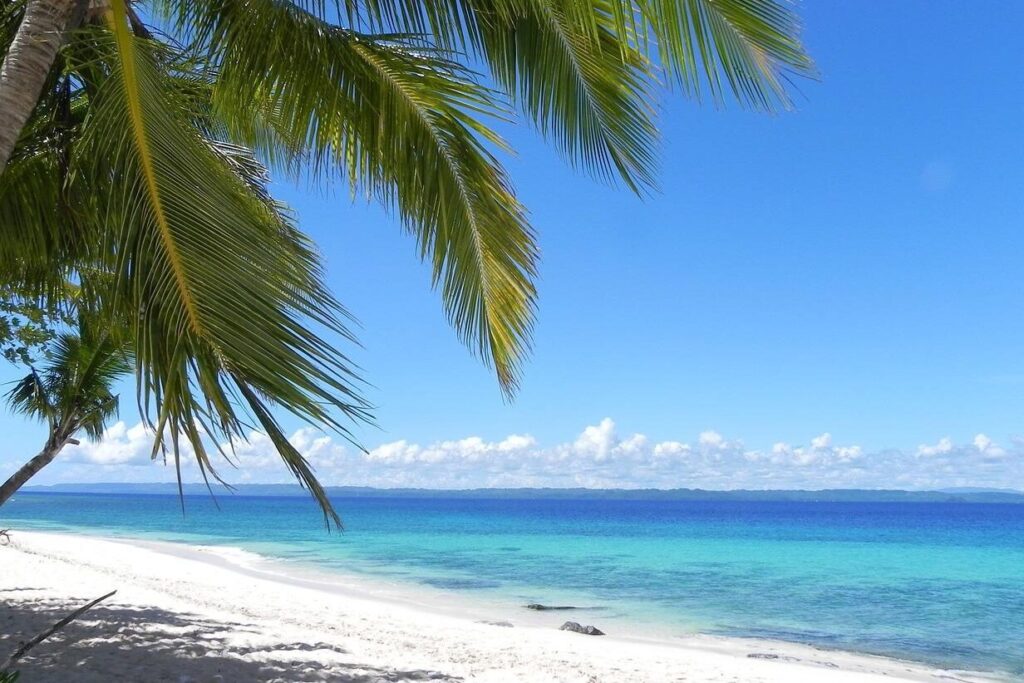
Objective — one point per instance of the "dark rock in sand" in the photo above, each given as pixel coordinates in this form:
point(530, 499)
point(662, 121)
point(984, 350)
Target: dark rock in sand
point(544, 608)
point(585, 630)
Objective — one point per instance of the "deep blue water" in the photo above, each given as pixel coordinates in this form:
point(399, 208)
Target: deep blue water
point(941, 583)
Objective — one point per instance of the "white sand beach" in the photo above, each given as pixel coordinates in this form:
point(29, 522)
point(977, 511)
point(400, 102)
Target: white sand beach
point(191, 613)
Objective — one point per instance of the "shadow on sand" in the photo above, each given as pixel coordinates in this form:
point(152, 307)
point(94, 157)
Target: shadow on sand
point(116, 642)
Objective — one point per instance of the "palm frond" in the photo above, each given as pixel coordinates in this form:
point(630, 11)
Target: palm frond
point(29, 397)
point(584, 70)
point(42, 234)
point(223, 300)
point(293, 459)
point(399, 120)
point(102, 358)
point(748, 48)
point(586, 87)
point(73, 390)
point(31, 230)
point(10, 19)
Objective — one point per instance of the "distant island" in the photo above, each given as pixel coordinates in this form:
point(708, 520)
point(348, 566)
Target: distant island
point(951, 495)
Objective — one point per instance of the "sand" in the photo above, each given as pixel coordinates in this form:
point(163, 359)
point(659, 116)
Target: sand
point(192, 613)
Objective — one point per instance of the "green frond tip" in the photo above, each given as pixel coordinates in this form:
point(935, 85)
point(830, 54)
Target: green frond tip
point(748, 48)
point(297, 464)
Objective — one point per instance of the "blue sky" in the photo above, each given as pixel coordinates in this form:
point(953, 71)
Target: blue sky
point(852, 268)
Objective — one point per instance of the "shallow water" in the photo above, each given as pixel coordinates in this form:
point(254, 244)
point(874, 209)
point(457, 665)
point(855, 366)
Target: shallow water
point(941, 583)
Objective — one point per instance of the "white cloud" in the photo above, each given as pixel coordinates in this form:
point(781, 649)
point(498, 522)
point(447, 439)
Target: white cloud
point(669, 448)
point(516, 442)
point(123, 445)
point(981, 451)
point(711, 439)
point(988, 449)
point(634, 444)
point(848, 453)
point(821, 443)
point(803, 456)
point(597, 457)
point(597, 440)
point(945, 445)
point(396, 451)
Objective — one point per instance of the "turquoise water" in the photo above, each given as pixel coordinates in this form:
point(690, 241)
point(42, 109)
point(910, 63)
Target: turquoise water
point(941, 583)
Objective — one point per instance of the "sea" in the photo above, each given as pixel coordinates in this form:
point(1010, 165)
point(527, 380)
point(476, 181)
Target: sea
point(940, 583)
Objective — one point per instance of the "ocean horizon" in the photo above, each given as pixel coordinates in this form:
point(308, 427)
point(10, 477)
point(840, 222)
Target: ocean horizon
point(931, 581)
point(963, 494)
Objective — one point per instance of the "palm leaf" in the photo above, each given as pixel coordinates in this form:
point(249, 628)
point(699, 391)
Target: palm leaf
point(557, 58)
point(224, 300)
point(585, 87)
point(751, 45)
point(42, 234)
point(398, 119)
point(29, 397)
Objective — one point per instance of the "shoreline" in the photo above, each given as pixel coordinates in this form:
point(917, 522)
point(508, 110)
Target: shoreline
point(251, 621)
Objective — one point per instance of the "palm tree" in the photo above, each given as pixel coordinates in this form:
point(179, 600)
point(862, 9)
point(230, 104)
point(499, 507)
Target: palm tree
point(27, 64)
point(71, 394)
point(138, 151)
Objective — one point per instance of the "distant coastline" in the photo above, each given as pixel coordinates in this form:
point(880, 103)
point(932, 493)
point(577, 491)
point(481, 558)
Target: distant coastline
point(953, 495)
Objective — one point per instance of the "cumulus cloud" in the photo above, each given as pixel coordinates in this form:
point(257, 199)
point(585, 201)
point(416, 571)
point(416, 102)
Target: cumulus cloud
point(981, 449)
point(123, 445)
point(821, 452)
point(988, 449)
point(710, 439)
point(598, 456)
point(670, 448)
point(848, 453)
point(944, 446)
point(597, 440)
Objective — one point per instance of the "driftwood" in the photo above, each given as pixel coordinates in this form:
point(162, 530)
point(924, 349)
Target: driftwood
point(26, 646)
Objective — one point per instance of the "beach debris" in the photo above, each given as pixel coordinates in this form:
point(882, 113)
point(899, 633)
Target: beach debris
point(544, 608)
point(587, 630)
point(5, 536)
point(504, 624)
point(25, 647)
point(772, 656)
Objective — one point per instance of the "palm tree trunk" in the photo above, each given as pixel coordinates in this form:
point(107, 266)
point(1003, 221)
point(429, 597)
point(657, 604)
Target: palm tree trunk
point(27, 65)
point(32, 467)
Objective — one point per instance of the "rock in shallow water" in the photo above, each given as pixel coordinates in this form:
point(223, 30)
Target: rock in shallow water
point(544, 608)
point(576, 628)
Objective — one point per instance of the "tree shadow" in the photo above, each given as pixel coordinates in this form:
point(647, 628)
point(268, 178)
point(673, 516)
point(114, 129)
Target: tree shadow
point(122, 642)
